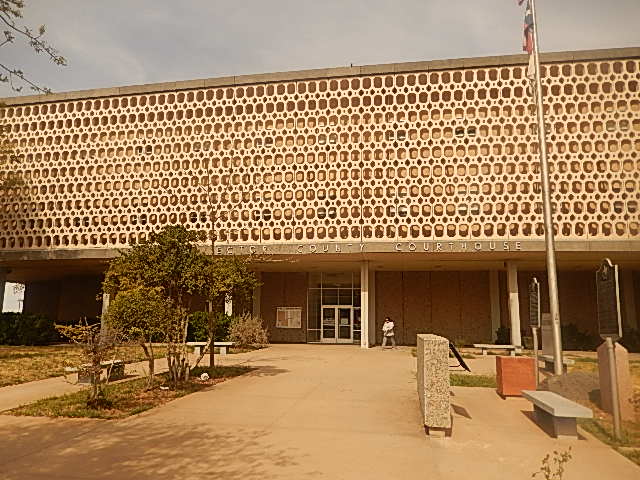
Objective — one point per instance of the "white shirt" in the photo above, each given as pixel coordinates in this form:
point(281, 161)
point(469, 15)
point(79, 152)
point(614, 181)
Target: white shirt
point(387, 328)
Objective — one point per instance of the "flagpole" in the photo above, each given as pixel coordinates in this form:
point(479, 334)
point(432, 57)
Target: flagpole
point(546, 203)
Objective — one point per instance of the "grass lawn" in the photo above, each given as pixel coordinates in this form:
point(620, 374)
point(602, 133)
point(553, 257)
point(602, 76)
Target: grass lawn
point(25, 364)
point(128, 398)
point(464, 380)
point(602, 424)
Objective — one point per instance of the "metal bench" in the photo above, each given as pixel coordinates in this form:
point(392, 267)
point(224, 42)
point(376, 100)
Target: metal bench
point(549, 362)
point(197, 347)
point(513, 349)
point(561, 413)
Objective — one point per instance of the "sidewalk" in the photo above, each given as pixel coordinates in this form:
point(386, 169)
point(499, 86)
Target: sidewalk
point(308, 411)
point(15, 395)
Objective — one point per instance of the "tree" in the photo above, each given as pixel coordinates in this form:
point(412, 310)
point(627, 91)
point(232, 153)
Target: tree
point(170, 262)
point(142, 315)
point(10, 12)
point(228, 277)
point(96, 347)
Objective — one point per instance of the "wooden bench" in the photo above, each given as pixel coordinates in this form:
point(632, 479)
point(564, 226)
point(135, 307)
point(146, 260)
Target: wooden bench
point(513, 349)
point(559, 412)
point(84, 371)
point(549, 362)
point(197, 346)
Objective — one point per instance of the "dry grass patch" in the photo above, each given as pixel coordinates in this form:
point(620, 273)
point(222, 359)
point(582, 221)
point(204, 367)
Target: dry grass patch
point(602, 424)
point(26, 364)
point(127, 398)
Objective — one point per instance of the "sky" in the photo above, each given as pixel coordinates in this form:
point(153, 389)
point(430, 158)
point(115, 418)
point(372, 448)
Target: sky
point(125, 42)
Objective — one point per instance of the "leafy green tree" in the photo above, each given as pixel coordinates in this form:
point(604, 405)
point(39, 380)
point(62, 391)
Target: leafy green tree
point(143, 315)
point(230, 277)
point(170, 262)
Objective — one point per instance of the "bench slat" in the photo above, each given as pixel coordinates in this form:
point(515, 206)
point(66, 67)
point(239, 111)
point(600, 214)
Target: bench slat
point(557, 405)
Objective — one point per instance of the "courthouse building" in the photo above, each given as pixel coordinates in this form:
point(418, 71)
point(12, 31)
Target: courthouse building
point(407, 190)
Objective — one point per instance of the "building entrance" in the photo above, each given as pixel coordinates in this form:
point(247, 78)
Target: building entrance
point(333, 312)
point(340, 324)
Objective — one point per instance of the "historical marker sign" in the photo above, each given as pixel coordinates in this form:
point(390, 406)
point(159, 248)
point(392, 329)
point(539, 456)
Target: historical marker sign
point(608, 294)
point(534, 303)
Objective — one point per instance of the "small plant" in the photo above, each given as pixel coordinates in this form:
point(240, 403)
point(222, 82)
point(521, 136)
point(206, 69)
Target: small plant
point(97, 347)
point(552, 468)
point(199, 327)
point(248, 331)
point(575, 339)
point(503, 336)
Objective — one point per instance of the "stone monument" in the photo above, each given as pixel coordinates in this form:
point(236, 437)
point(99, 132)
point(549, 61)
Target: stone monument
point(546, 331)
point(625, 390)
point(434, 383)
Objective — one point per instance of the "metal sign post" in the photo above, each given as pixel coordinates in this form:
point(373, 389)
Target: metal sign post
point(610, 328)
point(534, 320)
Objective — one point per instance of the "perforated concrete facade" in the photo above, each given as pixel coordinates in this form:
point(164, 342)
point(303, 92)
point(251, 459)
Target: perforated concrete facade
point(437, 151)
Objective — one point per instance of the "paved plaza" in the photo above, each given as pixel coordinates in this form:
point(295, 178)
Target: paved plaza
point(308, 411)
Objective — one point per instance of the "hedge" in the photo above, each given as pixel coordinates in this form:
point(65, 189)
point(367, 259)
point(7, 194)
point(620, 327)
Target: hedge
point(27, 329)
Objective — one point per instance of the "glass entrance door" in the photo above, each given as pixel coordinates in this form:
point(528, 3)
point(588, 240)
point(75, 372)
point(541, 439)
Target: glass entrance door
point(337, 324)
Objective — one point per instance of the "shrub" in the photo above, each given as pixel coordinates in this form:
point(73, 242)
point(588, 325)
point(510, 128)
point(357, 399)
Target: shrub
point(247, 330)
point(503, 336)
point(198, 330)
point(631, 340)
point(27, 329)
point(575, 339)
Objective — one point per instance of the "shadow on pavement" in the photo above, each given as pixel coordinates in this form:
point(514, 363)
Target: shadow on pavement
point(140, 448)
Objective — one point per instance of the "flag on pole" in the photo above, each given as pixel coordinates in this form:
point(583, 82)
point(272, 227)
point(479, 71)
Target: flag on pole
point(527, 40)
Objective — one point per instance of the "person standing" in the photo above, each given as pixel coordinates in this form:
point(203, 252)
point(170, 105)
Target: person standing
point(387, 333)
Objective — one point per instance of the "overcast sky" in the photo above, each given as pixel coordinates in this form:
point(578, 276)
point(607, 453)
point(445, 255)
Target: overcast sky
point(124, 42)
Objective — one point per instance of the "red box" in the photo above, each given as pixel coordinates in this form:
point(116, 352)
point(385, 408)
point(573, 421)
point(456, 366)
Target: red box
point(514, 374)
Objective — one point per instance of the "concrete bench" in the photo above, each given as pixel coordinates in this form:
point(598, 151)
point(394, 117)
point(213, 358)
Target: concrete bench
point(561, 413)
point(513, 349)
point(549, 362)
point(197, 347)
point(84, 371)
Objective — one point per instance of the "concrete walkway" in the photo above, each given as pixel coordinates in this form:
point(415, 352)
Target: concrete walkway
point(309, 411)
point(16, 395)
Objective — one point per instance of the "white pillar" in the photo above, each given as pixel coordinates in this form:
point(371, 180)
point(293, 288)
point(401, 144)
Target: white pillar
point(364, 304)
point(494, 298)
point(103, 315)
point(372, 308)
point(228, 306)
point(257, 295)
point(3, 283)
point(630, 318)
point(514, 303)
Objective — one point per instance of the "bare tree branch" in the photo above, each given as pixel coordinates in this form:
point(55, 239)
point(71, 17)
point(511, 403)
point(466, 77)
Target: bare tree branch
point(10, 10)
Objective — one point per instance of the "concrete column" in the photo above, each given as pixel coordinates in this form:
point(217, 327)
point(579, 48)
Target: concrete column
point(103, 315)
point(514, 303)
point(630, 318)
point(228, 306)
point(257, 296)
point(372, 308)
point(364, 304)
point(494, 298)
point(3, 284)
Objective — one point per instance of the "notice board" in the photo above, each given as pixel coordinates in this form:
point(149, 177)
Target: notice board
point(289, 317)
